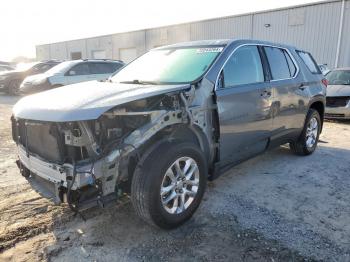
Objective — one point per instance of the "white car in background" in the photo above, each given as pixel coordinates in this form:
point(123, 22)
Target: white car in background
point(338, 94)
point(70, 72)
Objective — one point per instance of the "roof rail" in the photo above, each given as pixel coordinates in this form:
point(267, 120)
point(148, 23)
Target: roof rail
point(96, 59)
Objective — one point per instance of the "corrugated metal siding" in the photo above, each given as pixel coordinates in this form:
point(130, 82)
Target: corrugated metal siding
point(59, 51)
point(232, 27)
point(344, 58)
point(76, 46)
point(313, 28)
point(128, 40)
point(103, 43)
point(43, 52)
point(317, 34)
point(167, 35)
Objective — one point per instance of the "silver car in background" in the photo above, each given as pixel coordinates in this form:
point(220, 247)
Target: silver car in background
point(338, 94)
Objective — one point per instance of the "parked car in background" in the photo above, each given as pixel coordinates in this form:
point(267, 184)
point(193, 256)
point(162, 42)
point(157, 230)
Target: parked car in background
point(338, 94)
point(324, 69)
point(70, 72)
point(168, 121)
point(4, 68)
point(10, 81)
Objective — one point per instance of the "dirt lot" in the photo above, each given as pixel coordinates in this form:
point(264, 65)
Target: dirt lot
point(275, 207)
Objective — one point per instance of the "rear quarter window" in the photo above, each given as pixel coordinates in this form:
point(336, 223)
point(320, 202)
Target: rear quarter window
point(309, 61)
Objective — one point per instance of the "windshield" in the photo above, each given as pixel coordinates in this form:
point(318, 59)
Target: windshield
point(339, 77)
point(169, 66)
point(61, 68)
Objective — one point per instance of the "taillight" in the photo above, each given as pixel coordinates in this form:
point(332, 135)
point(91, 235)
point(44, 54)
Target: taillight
point(324, 82)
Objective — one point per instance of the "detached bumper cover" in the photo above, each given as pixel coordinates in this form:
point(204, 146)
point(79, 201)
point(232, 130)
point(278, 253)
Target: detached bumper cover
point(53, 176)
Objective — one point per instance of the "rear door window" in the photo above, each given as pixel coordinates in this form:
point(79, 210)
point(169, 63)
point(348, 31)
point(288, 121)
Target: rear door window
point(278, 63)
point(80, 69)
point(101, 68)
point(243, 67)
point(309, 62)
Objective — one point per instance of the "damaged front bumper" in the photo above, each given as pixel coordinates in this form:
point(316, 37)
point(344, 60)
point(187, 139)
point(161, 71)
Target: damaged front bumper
point(52, 180)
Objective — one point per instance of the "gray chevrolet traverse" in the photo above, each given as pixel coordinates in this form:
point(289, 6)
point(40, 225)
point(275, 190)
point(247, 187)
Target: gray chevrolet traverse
point(168, 121)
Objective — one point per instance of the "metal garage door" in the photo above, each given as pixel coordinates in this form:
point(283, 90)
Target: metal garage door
point(98, 54)
point(127, 54)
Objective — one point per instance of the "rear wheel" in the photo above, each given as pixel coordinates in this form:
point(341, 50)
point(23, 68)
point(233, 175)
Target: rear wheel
point(13, 88)
point(168, 186)
point(307, 142)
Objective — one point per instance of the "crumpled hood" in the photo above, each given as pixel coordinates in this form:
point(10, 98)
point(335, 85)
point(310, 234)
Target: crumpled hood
point(84, 101)
point(338, 90)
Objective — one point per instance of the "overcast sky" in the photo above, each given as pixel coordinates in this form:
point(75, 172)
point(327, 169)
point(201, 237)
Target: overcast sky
point(26, 23)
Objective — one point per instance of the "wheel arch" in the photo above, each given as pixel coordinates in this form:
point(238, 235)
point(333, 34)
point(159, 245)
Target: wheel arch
point(180, 132)
point(319, 106)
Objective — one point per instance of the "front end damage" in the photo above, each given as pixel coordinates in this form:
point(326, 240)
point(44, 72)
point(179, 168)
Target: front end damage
point(90, 162)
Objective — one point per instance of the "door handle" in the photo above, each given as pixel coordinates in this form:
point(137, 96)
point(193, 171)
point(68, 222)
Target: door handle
point(302, 86)
point(266, 94)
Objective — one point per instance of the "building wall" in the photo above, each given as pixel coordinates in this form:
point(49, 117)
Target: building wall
point(76, 46)
point(104, 43)
point(311, 27)
point(344, 59)
point(231, 27)
point(128, 40)
point(59, 50)
point(43, 52)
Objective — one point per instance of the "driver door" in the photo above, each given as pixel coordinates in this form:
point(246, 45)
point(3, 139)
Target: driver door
point(244, 100)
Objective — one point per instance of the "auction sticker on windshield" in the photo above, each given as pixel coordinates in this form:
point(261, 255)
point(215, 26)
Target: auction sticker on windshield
point(209, 50)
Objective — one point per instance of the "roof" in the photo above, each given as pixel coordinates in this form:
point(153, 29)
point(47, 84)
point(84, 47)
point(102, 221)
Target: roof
point(223, 42)
point(215, 42)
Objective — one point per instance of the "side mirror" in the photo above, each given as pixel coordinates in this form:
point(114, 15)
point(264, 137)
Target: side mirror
point(72, 73)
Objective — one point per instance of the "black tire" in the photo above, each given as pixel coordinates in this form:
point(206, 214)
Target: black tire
point(148, 178)
point(300, 147)
point(14, 86)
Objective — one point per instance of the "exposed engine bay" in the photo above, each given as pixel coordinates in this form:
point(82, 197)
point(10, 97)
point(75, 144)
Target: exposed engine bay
point(89, 162)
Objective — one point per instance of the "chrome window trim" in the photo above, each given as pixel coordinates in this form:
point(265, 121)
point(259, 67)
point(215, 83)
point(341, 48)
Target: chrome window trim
point(263, 45)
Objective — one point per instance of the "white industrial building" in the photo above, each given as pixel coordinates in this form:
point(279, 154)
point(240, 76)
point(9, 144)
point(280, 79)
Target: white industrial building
point(322, 28)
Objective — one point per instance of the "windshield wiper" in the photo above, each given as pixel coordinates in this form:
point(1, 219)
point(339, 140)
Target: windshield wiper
point(140, 82)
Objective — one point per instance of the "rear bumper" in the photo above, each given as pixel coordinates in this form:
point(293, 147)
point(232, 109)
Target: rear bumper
point(338, 112)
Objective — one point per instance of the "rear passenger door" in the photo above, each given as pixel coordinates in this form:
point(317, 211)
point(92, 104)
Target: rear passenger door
point(287, 106)
point(244, 101)
point(78, 73)
point(101, 70)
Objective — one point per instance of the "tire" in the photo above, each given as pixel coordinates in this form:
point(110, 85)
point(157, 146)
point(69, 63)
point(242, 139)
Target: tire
point(303, 146)
point(13, 88)
point(151, 175)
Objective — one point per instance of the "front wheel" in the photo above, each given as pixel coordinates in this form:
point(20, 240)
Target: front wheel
point(168, 186)
point(307, 142)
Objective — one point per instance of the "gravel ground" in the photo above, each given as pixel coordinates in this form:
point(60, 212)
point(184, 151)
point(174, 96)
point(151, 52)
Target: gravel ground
point(275, 207)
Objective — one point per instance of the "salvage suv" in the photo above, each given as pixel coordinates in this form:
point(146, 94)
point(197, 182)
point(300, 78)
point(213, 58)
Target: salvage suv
point(167, 122)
